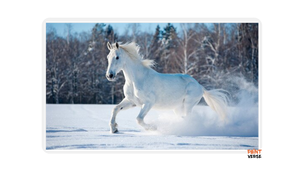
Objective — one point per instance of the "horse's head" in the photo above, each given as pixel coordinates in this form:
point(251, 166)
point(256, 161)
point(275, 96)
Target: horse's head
point(115, 62)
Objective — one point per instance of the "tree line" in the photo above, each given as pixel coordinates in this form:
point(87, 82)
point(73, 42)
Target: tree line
point(211, 53)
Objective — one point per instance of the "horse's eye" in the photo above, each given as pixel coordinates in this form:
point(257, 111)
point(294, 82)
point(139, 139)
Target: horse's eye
point(117, 57)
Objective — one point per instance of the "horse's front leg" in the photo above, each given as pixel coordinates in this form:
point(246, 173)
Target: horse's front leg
point(125, 104)
point(140, 118)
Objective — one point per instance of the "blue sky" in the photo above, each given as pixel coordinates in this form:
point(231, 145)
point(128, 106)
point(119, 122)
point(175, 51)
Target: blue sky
point(119, 27)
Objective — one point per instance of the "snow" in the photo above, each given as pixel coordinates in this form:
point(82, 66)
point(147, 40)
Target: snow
point(85, 127)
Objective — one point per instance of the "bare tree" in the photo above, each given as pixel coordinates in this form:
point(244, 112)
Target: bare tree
point(248, 47)
point(188, 49)
point(55, 84)
point(68, 31)
point(55, 76)
point(135, 27)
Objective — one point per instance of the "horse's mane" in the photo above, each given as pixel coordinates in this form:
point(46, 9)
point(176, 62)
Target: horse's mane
point(132, 49)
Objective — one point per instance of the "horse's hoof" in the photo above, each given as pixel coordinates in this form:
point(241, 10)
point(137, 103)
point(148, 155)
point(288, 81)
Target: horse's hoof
point(113, 128)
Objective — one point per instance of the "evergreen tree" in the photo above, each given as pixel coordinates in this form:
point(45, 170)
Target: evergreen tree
point(110, 34)
point(169, 36)
point(169, 47)
point(157, 34)
point(155, 49)
point(98, 30)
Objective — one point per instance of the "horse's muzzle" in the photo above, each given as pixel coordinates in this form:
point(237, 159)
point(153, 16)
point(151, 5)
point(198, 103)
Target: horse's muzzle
point(110, 77)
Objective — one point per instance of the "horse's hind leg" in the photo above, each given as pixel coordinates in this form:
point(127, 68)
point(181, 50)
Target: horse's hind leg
point(194, 93)
point(186, 108)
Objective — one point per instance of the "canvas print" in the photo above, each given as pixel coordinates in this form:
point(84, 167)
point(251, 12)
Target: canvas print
point(152, 86)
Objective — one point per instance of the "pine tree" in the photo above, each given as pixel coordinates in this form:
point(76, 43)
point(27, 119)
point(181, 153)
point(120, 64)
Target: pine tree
point(169, 48)
point(169, 36)
point(157, 34)
point(155, 49)
point(110, 34)
point(98, 32)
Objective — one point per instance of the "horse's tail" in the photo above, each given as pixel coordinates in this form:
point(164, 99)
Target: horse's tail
point(217, 100)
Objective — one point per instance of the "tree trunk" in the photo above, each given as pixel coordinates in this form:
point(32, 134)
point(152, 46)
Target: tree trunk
point(185, 61)
point(56, 98)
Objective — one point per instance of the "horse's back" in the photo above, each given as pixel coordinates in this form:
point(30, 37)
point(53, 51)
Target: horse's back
point(180, 80)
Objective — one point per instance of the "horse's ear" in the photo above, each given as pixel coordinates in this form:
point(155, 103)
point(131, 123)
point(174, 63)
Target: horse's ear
point(117, 45)
point(108, 46)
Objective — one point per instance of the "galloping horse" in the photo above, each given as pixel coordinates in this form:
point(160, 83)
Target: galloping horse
point(146, 88)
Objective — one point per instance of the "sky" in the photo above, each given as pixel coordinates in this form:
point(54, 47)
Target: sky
point(118, 27)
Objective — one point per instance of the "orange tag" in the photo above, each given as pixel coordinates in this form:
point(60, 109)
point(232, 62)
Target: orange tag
point(256, 151)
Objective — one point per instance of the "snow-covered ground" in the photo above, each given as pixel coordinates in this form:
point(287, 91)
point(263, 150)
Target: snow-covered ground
point(85, 127)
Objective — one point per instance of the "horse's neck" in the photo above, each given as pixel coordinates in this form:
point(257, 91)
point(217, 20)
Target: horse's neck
point(135, 72)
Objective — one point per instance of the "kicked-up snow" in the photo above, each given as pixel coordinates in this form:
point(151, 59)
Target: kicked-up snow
point(85, 127)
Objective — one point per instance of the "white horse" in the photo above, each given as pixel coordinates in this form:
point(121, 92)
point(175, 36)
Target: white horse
point(146, 88)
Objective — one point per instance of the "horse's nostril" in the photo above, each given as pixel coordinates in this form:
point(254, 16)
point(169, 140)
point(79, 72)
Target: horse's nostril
point(111, 75)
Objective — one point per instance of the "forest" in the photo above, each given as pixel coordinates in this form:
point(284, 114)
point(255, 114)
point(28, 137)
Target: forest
point(217, 55)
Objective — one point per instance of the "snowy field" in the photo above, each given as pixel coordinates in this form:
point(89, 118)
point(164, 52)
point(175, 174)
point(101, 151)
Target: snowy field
point(85, 127)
